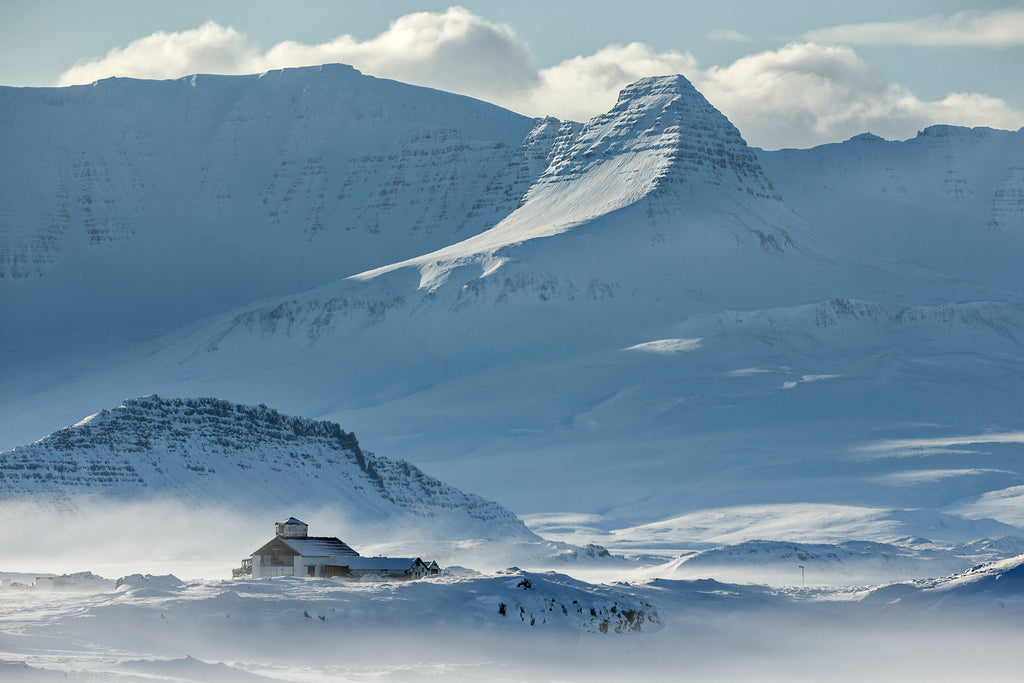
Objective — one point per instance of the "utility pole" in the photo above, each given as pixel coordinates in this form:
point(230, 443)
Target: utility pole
point(803, 583)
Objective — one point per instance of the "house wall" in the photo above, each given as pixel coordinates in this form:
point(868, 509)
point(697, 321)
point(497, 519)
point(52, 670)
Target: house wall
point(261, 570)
point(299, 566)
point(303, 563)
point(276, 570)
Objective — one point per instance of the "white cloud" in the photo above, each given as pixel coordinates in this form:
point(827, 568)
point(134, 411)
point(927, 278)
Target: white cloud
point(211, 48)
point(799, 95)
point(727, 35)
point(999, 28)
point(805, 94)
point(453, 50)
point(582, 87)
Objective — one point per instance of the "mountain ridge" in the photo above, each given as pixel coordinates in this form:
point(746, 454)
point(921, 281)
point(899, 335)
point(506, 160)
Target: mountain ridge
point(215, 452)
point(190, 188)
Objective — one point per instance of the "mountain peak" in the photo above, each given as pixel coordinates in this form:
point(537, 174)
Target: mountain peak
point(658, 85)
point(662, 140)
point(688, 140)
point(866, 137)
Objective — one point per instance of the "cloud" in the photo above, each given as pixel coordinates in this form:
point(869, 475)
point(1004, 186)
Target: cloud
point(799, 95)
point(727, 35)
point(453, 50)
point(806, 93)
point(1000, 28)
point(211, 48)
point(582, 87)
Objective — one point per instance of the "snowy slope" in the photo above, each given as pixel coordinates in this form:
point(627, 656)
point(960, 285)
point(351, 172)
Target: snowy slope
point(998, 582)
point(951, 198)
point(214, 453)
point(833, 564)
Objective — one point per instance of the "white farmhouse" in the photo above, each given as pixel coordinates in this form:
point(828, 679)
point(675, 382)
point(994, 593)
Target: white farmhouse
point(293, 552)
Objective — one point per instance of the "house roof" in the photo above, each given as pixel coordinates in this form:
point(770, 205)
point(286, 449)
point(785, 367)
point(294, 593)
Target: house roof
point(388, 563)
point(309, 546)
point(292, 520)
point(319, 546)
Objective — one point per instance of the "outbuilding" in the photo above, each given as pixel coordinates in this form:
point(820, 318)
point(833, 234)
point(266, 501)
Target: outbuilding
point(379, 568)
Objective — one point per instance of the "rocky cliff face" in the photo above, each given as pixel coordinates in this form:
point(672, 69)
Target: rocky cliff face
point(217, 452)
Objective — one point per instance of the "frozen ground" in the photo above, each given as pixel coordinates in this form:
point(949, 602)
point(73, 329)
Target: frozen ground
point(513, 626)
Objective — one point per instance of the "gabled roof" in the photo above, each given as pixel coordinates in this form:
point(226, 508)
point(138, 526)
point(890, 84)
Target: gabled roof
point(310, 546)
point(319, 546)
point(292, 520)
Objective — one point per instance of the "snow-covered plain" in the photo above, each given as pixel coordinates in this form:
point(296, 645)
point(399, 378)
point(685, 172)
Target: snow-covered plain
point(513, 626)
point(635, 332)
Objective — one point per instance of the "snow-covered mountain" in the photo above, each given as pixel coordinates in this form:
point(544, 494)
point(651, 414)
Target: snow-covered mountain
point(215, 453)
point(951, 198)
point(172, 200)
point(638, 318)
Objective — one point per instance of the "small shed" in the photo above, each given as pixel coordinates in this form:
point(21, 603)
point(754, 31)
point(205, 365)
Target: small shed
point(379, 567)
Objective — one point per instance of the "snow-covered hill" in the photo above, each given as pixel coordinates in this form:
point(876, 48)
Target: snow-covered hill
point(219, 454)
point(1000, 582)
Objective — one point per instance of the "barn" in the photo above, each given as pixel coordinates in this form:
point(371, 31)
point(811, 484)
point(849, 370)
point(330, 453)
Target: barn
point(293, 552)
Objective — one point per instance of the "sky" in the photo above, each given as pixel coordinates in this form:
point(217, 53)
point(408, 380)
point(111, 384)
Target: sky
point(788, 73)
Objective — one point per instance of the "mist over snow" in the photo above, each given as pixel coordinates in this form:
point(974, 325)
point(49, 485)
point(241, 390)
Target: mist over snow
point(514, 625)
